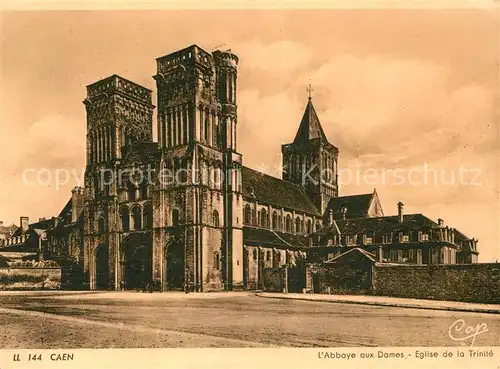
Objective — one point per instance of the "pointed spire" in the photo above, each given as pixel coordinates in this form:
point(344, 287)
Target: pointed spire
point(310, 127)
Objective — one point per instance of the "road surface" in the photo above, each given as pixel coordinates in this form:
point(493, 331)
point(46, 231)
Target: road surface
point(133, 319)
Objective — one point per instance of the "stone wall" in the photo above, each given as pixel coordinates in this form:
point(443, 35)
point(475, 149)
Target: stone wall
point(460, 282)
point(274, 279)
point(30, 278)
point(343, 280)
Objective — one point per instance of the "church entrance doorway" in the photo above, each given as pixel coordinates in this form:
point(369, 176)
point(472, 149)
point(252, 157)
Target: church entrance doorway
point(175, 264)
point(101, 267)
point(137, 263)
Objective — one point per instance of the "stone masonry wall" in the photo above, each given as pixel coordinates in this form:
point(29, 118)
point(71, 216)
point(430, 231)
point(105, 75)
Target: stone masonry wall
point(30, 278)
point(274, 279)
point(460, 282)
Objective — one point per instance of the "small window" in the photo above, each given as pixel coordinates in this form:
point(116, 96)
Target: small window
point(298, 225)
point(136, 215)
point(175, 217)
point(268, 256)
point(288, 224)
point(131, 191)
point(215, 216)
point(216, 261)
point(274, 224)
point(125, 219)
point(254, 255)
point(247, 214)
point(100, 225)
point(424, 237)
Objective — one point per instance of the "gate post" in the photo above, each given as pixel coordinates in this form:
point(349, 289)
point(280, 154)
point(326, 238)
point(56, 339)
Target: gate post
point(285, 290)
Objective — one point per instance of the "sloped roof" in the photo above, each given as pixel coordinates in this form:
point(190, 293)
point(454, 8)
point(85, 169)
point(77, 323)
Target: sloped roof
point(266, 237)
point(42, 224)
point(310, 127)
point(67, 209)
point(363, 252)
point(7, 231)
point(4, 262)
point(357, 205)
point(379, 224)
point(275, 191)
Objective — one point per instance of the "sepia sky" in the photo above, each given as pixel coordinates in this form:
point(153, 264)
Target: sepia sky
point(394, 89)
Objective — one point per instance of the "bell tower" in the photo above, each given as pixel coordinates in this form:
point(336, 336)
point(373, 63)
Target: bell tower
point(311, 161)
point(197, 132)
point(119, 112)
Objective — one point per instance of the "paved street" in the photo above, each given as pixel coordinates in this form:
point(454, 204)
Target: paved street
point(132, 319)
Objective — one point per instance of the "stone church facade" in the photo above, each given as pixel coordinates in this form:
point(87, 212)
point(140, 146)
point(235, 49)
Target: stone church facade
point(185, 211)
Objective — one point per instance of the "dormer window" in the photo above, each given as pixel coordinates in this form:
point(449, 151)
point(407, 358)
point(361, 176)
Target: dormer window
point(368, 238)
point(404, 237)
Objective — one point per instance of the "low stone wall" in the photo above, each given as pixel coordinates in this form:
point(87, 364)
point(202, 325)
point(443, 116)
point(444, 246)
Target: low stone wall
point(30, 278)
point(274, 279)
point(456, 282)
point(343, 280)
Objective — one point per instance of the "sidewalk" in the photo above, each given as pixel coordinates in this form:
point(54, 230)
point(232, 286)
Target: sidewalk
point(389, 301)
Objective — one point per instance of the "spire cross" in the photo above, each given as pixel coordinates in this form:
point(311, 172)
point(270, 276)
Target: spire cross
point(309, 90)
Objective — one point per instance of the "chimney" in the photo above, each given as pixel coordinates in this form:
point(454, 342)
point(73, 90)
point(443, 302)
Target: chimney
point(400, 212)
point(1, 223)
point(330, 217)
point(76, 203)
point(24, 223)
point(441, 222)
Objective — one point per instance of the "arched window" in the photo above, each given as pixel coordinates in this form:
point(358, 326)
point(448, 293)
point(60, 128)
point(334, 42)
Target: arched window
point(175, 217)
point(143, 189)
point(263, 218)
point(288, 224)
point(298, 223)
point(100, 225)
point(131, 191)
point(254, 255)
point(274, 221)
point(136, 215)
point(206, 123)
point(216, 261)
point(181, 175)
point(309, 226)
point(125, 217)
point(147, 219)
point(215, 217)
point(268, 255)
point(247, 214)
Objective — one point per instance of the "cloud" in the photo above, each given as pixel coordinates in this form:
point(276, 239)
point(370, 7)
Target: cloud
point(282, 57)
point(52, 142)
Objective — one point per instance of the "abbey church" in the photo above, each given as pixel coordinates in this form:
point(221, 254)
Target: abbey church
point(213, 219)
point(185, 211)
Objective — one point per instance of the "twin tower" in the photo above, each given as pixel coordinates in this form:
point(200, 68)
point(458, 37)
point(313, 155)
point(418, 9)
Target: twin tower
point(141, 229)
